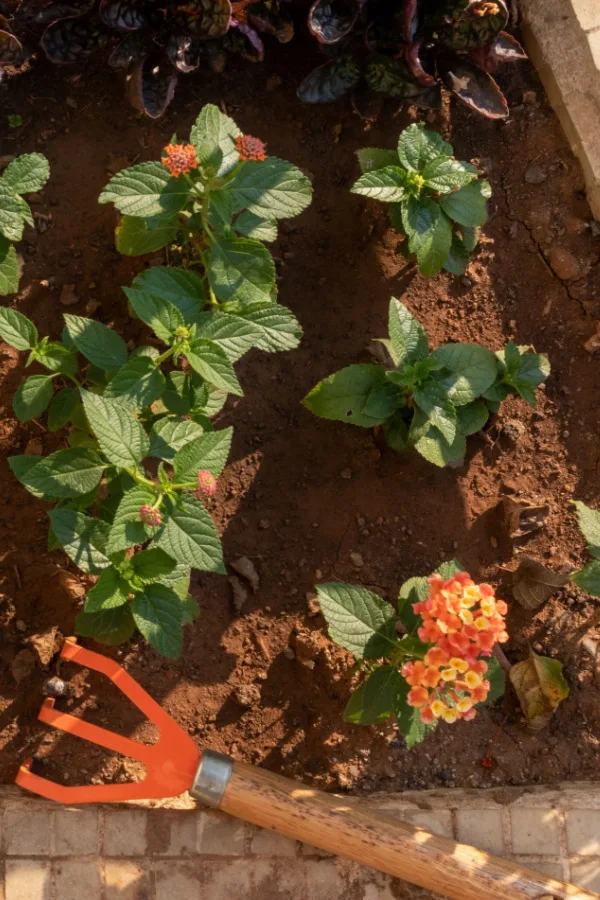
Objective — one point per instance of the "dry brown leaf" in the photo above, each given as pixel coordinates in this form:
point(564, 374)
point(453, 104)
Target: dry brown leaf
point(240, 594)
point(540, 686)
point(533, 583)
point(246, 568)
point(521, 518)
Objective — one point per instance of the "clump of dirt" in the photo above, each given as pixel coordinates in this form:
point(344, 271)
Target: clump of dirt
point(306, 500)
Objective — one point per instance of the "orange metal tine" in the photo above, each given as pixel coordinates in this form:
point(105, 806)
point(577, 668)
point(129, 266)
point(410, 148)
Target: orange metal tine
point(171, 762)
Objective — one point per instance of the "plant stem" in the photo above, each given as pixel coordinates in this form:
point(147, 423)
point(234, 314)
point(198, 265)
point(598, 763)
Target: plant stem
point(140, 479)
point(501, 657)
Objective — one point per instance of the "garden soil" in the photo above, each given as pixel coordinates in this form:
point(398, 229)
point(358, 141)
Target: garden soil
point(304, 499)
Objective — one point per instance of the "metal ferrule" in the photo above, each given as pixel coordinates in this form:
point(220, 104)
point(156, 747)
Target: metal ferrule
point(211, 778)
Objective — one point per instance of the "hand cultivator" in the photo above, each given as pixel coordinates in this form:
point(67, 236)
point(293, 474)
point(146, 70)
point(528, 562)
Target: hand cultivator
point(174, 764)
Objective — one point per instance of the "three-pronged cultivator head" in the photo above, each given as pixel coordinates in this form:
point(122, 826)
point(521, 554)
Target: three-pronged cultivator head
point(171, 763)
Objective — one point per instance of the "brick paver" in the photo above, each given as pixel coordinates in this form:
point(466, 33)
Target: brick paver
point(138, 852)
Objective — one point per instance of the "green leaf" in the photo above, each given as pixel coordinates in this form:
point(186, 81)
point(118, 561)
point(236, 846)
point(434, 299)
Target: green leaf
point(152, 565)
point(497, 678)
point(358, 394)
point(457, 260)
point(32, 397)
point(474, 370)
point(178, 397)
point(468, 206)
point(257, 227)
point(17, 330)
point(98, 343)
point(267, 326)
point(110, 626)
point(470, 237)
point(417, 731)
point(10, 269)
point(444, 174)
point(472, 417)
point(588, 520)
point(135, 236)
point(83, 539)
point(158, 615)
point(14, 212)
point(127, 529)
point(377, 697)
point(169, 435)
point(109, 592)
point(242, 270)
point(435, 448)
point(121, 437)
point(190, 537)
point(182, 288)
point(385, 184)
point(62, 475)
point(209, 452)
point(408, 337)
point(190, 609)
point(207, 399)
point(146, 190)
point(21, 466)
point(358, 620)
point(449, 568)
point(212, 363)
point(272, 189)
point(62, 406)
point(371, 158)
point(138, 383)
point(417, 146)
point(159, 314)
point(220, 209)
point(434, 243)
point(415, 590)
point(434, 401)
point(523, 371)
point(213, 136)
point(56, 358)
point(26, 173)
point(588, 579)
point(396, 433)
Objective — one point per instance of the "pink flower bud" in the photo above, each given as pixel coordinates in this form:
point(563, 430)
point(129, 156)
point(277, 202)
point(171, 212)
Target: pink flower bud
point(150, 515)
point(207, 483)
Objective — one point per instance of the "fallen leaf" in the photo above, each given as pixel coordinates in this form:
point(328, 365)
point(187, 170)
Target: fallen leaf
point(22, 665)
point(240, 594)
point(533, 583)
point(540, 686)
point(246, 568)
point(521, 518)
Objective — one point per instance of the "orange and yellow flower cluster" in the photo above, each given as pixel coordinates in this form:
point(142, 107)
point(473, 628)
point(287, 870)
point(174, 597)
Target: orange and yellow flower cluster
point(179, 159)
point(463, 621)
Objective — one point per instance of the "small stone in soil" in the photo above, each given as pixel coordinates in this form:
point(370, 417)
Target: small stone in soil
point(55, 687)
point(289, 653)
point(264, 524)
point(535, 174)
point(346, 473)
point(68, 296)
point(357, 560)
point(247, 695)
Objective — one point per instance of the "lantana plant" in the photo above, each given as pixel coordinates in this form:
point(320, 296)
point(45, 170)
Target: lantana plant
point(428, 662)
point(429, 400)
point(437, 202)
point(22, 175)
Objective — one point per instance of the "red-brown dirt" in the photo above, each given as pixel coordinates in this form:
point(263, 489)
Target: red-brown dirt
point(283, 500)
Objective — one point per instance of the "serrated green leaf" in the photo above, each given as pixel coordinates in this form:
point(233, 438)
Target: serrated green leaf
point(387, 184)
point(62, 406)
point(152, 565)
point(435, 448)
point(109, 592)
point(189, 535)
point(110, 626)
point(371, 158)
point(159, 314)
point(121, 437)
point(267, 326)
point(472, 417)
point(213, 136)
point(497, 678)
point(241, 270)
point(415, 590)
point(588, 520)
point(417, 146)
point(21, 466)
point(357, 619)
point(358, 394)
point(98, 343)
point(17, 330)
point(157, 612)
point(377, 697)
point(206, 398)
point(273, 189)
point(184, 289)
point(417, 731)
point(62, 475)
point(220, 209)
point(258, 227)
point(10, 268)
point(209, 452)
point(135, 236)
point(434, 401)
point(32, 397)
point(588, 578)
point(26, 173)
point(434, 244)
point(138, 383)
point(14, 212)
point(146, 190)
point(408, 337)
point(127, 529)
point(82, 538)
point(449, 568)
point(445, 174)
point(474, 369)
point(169, 435)
point(212, 363)
point(57, 358)
point(468, 206)
point(178, 396)
point(190, 609)
point(458, 258)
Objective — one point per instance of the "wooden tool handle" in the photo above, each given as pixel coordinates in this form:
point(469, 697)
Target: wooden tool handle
point(341, 827)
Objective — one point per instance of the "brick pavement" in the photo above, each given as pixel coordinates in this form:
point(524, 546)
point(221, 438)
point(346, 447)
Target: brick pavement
point(147, 852)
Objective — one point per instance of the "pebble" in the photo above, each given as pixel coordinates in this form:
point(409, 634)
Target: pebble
point(535, 174)
point(346, 473)
point(68, 297)
point(264, 524)
point(247, 695)
point(564, 263)
point(357, 560)
point(20, 624)
point(289, 653)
